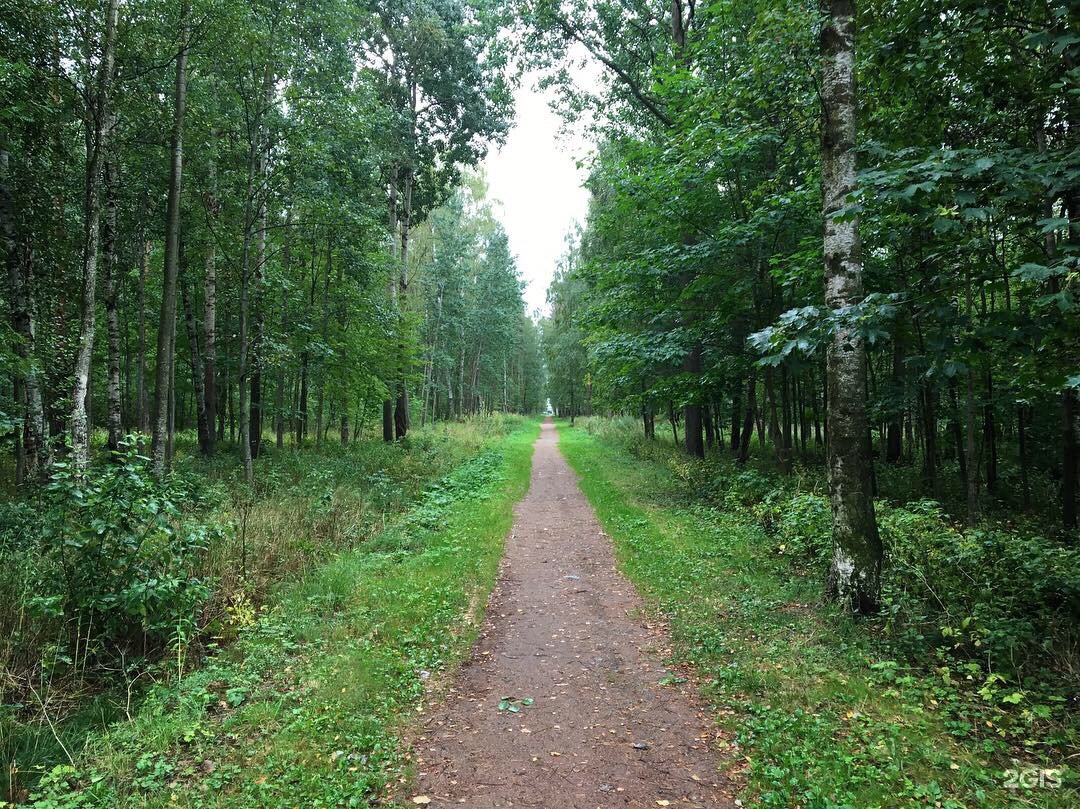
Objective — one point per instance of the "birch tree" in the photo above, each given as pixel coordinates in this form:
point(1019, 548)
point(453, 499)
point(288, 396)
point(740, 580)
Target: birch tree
point(855, 573)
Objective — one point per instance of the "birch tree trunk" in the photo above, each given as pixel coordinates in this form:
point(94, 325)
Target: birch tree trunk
point(254, 175)
point(96, 136)
point(855, 572)
point(166, 341)
point(1070, 405)
point(279, 394)
point(256, 405)
point(388, 402)
point(748, 418)
point(112, 315)
point(401, 407)
point(324, 332)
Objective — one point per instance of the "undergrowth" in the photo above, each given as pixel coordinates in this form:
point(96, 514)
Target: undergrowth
point(117, 586)
point(960, 694)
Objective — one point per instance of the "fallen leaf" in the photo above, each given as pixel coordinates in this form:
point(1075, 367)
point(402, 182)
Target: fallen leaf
point(421, 800)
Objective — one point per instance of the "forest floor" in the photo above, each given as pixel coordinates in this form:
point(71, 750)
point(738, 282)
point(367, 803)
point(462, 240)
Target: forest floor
point(566, 700)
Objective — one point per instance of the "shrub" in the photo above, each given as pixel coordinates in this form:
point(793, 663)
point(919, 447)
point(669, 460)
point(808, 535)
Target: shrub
point(1006, 597)
point(117, 556)
point(805, 528)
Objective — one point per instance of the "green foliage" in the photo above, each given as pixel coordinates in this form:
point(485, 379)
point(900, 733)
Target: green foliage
point(116, 555)
point(481, 349)
point(698, 277)
point(569, 386)
point(305, 509)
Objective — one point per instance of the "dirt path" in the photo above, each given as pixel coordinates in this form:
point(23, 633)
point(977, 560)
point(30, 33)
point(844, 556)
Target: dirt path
point(561, 630)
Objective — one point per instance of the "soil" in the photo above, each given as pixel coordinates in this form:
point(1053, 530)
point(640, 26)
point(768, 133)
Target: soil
point(599, 720)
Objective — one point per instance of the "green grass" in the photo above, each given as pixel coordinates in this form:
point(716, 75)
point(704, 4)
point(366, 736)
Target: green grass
point(815, 711)
point(309, 705)
point(307, 506)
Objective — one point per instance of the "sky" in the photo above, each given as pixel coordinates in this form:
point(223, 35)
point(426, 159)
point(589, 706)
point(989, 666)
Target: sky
point(535, 179)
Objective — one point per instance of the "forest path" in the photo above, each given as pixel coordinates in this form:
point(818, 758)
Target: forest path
point(594, 726)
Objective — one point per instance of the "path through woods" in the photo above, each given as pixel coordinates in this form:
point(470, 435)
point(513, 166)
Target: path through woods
point(599, 721)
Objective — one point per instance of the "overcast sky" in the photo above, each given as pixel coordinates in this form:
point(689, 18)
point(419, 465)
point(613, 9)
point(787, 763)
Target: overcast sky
point(536, 180)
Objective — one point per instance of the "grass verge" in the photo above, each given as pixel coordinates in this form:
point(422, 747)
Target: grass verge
point(307, 707)
point(820, 714)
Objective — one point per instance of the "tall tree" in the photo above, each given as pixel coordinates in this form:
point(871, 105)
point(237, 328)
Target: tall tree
point(96, 118)
point(166, 341)
point(855, 573)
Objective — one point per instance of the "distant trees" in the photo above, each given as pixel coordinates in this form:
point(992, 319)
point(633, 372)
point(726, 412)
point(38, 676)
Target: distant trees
point(564, 342)
point(259, 172)
point(480, 349)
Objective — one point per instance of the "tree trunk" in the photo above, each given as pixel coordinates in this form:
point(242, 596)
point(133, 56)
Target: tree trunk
point(894, 432)
point(279, 394)
point(401, 407)
point(955, 430)
point(1025, 455)
point(252, 209)
point(166, 341)
point(112, 315)
point(170, 432)
point(804, 423)
point(305, 364)
point(736, 416)
point(971, 447)
point(213, 208)
point(1071, 458)
point(990, 435)
point(97, 135)
point(324, 327)
point(748, 418)
point(692, 428)
point(784, 451)
point(30, 456)
point(774, 420)
point(930, 459)
point(855, 572)
point(1070, 408)
point(142, 405)
point(388, 402)
point(198, 377)
point(255, 413)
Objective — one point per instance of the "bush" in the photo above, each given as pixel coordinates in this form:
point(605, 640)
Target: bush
point(116, 558)
point(1008, 598)
point(805, 528)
